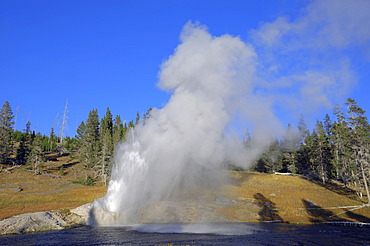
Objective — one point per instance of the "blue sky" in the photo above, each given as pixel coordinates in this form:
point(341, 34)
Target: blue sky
point(99, 54)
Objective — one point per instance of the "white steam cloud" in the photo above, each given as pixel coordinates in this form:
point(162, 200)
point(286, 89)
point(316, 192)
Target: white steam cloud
point(323, 24)
point(309, 57)
point(184, 145)
point(217, 81)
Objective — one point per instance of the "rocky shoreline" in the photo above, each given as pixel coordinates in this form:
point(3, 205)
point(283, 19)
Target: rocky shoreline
point(45, 221)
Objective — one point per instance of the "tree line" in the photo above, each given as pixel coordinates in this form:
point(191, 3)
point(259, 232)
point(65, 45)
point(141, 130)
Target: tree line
point(96, 140)
point(21, 148)
point(93, 144)
point(333, 150)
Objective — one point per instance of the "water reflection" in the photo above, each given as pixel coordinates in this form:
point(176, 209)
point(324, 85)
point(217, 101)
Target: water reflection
point(252, 234)
point(200, 228)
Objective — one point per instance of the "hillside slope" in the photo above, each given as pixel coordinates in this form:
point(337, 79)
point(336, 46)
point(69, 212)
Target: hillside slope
point(21, 191)
point(251, 197)
point(294, 199)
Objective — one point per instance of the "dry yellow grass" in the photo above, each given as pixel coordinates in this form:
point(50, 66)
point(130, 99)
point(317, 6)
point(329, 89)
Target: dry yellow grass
point(11, 205)
point(41, 193)
point(257, 196)
point(294, 199)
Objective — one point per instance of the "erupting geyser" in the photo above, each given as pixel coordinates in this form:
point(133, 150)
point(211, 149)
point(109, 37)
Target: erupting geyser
point(184, 147)
point(186, 144)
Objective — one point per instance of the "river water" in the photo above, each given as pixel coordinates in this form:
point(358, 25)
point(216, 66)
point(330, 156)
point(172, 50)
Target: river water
point(198, 234)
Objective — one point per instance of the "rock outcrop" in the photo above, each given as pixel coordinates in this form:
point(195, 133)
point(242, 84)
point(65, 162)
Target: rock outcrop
point(32, 222)
point(40, 221)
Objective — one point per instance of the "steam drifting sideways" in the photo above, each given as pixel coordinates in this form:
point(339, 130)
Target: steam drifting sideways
point(184, 145)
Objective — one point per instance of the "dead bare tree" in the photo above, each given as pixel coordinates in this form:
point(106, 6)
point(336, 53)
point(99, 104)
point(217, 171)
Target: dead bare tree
point(63, 128)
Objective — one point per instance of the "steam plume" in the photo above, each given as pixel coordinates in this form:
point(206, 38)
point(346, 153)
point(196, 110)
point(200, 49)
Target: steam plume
point(217, 81)
point(184, 145)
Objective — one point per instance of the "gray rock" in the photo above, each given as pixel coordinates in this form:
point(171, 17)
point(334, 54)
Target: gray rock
point(45, 221)
point(32, 222)
point(84, 211)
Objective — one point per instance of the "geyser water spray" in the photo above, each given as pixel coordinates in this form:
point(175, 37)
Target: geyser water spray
point(214, 81)
point(186, 144)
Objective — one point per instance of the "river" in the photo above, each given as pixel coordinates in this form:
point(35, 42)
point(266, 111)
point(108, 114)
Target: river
point(198, 234)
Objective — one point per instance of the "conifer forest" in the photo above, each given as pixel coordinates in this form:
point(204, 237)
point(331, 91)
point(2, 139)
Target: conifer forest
point(336, 149)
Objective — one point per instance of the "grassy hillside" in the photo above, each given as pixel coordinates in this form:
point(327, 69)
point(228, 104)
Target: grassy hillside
point(293, 199)
point(21, 191)
point(255, 196)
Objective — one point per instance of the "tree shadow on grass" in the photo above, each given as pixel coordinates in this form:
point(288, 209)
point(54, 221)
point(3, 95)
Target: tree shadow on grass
point(268, 211)
point(64, 166)
point(70, 164)
point(319, 214)
point(337, 188)
point(358, 217)
point(54, 156)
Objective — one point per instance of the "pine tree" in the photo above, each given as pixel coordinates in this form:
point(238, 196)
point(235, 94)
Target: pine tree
point(90, 141)
point(52, 141)
point(340, 138)
point(302, 129)
point(137, 119)
point(70, 144)
point(25, 145)
point(80, 134)
point(360, 130)
point(125, 131)
point(106, 141)
point(320, 152)
point(327, 125)
point(131, 124)
point(22, 151)
point(302, 152)
point(36, 157)
point(269, 161)
point(289, 147)
point(118, 130)
point(45, 143)
point(146, 116)
point(30, 135)
point(6, 131)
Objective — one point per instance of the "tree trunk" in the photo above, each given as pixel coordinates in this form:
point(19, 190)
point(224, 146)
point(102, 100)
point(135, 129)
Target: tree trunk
point(322, 174)
point(354, 179)
point(337, 163)
point(365, 182)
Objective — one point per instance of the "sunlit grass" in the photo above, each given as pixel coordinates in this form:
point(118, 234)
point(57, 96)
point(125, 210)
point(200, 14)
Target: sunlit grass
point(41, 193)
point(254, 197)
point(291, 196)
point(15, 204)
